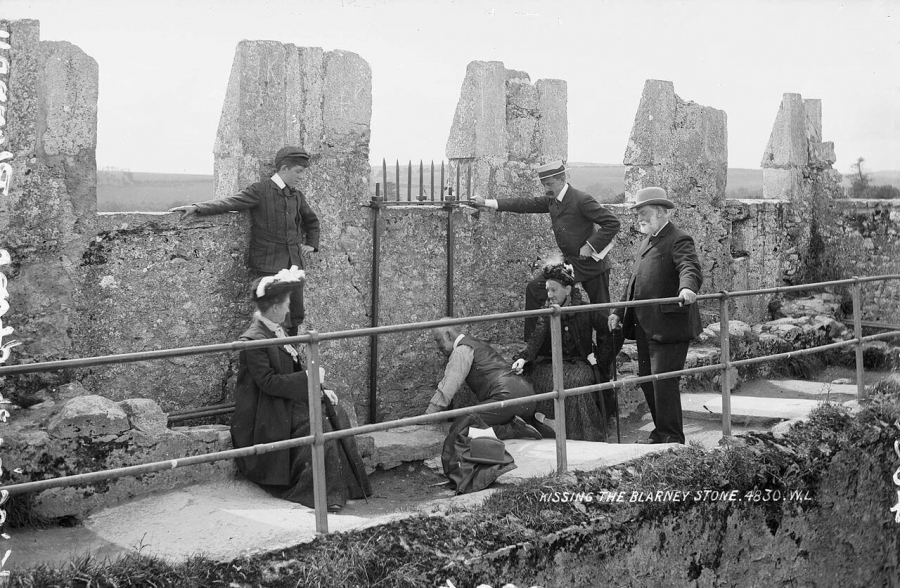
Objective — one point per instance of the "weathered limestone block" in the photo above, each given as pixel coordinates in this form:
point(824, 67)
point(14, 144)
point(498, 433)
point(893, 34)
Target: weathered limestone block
point(651, 137)
point(51, 131)
point(787, 143)
point(821, 154)
point(88, 416)
point(347, 107)
point(144, 415)
point(521, 117)
point(324, 100)
point(681, 147)
point(553, 123)
point(479, 124)
point(54, 189)
point(781, 184)
point(412, 443)
point(812, 108)
point(505, 126)
point(808, 306)
point(740, 334)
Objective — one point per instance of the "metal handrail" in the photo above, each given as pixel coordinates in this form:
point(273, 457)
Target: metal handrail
point(319, 437)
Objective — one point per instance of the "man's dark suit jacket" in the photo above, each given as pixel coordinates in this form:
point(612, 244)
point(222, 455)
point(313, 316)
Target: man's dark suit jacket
point(662, 267)
point(281, 221)
point(573, 225)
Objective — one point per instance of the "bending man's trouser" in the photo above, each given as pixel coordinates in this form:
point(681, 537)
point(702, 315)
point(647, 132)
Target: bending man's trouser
point(507, 388)
point(663, 396)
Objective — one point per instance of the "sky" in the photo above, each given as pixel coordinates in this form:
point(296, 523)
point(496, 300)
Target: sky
point(164, 66)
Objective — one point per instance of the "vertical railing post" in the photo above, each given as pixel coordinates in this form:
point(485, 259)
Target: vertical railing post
point(562, 464)
point(857, 333)
point(451, 243)
point(725, 351)
point(315, 425)
point(376, 304)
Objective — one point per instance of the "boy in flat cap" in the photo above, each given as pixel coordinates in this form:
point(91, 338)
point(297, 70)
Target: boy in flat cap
point(283, 226)
point(573, 216)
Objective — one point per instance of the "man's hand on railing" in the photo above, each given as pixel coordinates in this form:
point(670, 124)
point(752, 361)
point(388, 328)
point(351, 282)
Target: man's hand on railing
point(688, 296)
point(518, 366)
point(478, 201)
point(613, 322)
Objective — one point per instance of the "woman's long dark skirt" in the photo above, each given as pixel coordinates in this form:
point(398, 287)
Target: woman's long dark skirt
point(583, 418)
point(340, 482)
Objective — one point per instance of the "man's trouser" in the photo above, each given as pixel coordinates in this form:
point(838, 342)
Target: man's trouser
point(663, 396)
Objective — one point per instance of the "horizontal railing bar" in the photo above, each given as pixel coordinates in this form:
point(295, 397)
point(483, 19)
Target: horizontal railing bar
point(877, 336)
point(629, 381)
point(199, 414)
point(387, 329)
point(798, 352)
point(421, 419)
point(872, 324)
point(261, 448)
point(208, 407)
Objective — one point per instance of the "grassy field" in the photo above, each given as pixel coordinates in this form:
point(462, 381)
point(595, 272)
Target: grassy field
point(156, 192)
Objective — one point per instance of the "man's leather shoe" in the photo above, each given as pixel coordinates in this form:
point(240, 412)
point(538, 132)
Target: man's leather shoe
point(523, 430)
point(546, 431)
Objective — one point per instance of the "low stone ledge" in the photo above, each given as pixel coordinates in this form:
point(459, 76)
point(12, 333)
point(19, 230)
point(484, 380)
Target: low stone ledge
point(84, 439)
point(391, 448)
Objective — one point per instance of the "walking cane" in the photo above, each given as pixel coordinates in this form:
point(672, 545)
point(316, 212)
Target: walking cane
point(615, 391)
point(332, 417)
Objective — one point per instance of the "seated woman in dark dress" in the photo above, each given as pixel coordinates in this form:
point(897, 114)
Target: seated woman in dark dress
point(271, 404)
point(583, 415)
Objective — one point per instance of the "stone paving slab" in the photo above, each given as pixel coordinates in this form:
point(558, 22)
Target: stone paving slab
point(220, 520)
point(803, 388)
point(227, 519)
point(747, 409)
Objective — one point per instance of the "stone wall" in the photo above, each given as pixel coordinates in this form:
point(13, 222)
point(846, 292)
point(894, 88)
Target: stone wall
point(101, 284)
point(49, 213)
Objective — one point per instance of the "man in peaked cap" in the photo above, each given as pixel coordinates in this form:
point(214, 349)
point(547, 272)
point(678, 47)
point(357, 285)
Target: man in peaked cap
point(573, 215)
point(284, 227)
point(666, 266)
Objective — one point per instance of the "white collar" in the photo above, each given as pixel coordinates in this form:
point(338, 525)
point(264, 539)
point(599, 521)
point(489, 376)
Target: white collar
point(562, 193)
point(656, 234)
point(458, 339)
point(278, 181)
point(279, 334)
point(271, 325)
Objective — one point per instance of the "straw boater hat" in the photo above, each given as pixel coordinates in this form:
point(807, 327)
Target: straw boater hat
point(652, 196)
point(554, 168)
point(284, 281)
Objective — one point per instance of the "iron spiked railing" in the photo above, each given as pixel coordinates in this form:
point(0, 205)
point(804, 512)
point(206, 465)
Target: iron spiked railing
point(423, 192)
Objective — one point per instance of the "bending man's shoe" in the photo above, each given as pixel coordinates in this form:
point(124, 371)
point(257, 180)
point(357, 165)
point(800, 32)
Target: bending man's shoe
point(516, 429)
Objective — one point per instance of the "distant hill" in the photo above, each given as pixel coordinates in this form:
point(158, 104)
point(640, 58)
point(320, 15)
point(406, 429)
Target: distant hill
point(125, 191)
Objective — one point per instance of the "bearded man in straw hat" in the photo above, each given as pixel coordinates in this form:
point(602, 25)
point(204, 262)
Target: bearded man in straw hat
point(584, 232)
point(666, 266)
